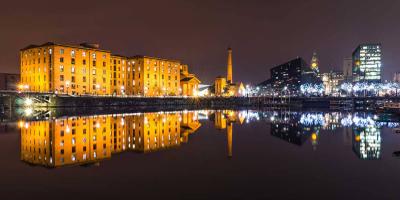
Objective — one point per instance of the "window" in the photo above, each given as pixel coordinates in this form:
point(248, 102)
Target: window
point(61, 77)
point(73, 53)
point(84, 54)
point(61, 51)
point(94, 63)
point(73, 61)
point(104, 64)
point(94, 71)
point(84, 79)
point(61, 60)
point(73, 69)
point(84, 62)
point(94, 56)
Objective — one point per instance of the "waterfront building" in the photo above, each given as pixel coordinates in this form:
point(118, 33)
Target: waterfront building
point(332, 81)
point(68, 69)
point(348, 69)
point(291, 75)
point(224, 86)
point(156, 76)
point(9, 81)
point(189, 83)
point(367, 63)
point(121, 75)
point(88, 70)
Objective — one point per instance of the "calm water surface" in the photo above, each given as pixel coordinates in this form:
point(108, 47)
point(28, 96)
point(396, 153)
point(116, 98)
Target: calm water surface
point(202, 155)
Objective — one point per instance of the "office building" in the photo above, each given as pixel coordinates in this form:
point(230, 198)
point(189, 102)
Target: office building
point(367, 63)
point(291, 75)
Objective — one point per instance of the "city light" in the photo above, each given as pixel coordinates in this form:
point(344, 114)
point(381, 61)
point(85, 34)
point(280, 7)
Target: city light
point(28, 102)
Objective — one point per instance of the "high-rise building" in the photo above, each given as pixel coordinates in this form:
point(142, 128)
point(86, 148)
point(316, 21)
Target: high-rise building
point(367, 63)
point(348, 69)
point(88, 70)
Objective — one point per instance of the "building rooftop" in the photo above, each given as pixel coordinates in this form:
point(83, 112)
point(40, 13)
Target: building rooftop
point(80, 46)
point(156, 58)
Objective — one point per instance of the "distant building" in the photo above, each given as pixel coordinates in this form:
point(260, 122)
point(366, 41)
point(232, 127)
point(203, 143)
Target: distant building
point(367, 63)
point(396, 77)
point(331, 81)
point(9, 81)
point(314, 63)
point(292, 74)
point(348, 69)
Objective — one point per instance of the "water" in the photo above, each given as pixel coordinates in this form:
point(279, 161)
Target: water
point(202, 155)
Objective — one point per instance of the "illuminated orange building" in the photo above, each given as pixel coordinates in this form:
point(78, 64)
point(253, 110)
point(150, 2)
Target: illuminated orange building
point(189, 83)
point(88, 70)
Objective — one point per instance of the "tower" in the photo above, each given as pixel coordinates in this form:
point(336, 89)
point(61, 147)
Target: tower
point(315, 62)
point(229, 71)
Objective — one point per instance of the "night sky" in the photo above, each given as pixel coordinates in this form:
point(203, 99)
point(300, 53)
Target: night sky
point(261, 33)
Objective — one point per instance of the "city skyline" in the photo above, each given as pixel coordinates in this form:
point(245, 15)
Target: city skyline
point(260, 34)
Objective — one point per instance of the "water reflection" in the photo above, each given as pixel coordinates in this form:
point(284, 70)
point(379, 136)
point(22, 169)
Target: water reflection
point(87, 140)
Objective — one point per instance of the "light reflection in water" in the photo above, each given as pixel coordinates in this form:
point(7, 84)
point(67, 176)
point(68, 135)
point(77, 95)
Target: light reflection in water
point(88, 140)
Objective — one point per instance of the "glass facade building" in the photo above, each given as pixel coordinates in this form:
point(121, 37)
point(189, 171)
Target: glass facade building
point(367, 63)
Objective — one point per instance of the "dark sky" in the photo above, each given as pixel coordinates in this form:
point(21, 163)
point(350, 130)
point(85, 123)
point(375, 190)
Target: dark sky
point(261, 33)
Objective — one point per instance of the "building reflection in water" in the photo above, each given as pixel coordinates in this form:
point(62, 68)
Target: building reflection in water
point(224, 120)
point(361, 129)
point(367, 142)
point(88, 140)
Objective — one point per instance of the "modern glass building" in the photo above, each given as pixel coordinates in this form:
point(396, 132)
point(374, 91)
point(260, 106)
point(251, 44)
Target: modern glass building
point(367, 63)
point(292, 75)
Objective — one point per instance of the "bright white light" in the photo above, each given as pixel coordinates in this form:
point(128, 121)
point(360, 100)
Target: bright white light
point(28, 111)
point(28, 102)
